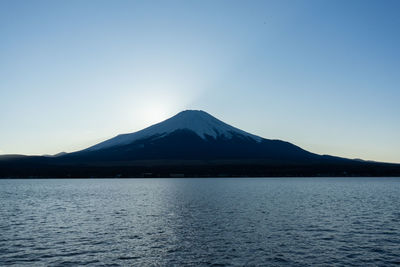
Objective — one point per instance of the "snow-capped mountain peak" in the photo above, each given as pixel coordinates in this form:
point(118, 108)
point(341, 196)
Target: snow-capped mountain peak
point(198, 121)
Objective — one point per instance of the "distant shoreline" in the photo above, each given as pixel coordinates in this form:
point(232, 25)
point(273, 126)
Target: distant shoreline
point(211, 177)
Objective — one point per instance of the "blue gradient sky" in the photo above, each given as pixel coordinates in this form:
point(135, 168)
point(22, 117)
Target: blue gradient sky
point(324, 75)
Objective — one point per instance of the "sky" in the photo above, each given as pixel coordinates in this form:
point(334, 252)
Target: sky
point(324, 75)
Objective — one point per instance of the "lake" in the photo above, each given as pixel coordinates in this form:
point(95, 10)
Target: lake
point(200, 222)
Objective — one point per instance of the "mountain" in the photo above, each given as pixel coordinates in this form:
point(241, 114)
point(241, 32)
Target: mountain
point(191, 143)
point(196, 121)
point(191, 135)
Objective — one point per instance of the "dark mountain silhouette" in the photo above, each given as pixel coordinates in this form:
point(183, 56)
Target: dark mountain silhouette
point(191, 143)
point(191, 135)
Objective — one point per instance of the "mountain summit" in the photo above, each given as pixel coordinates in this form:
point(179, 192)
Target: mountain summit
point(197, 121)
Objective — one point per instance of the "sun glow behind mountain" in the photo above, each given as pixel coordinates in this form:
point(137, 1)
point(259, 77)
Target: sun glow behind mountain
point(156, 103)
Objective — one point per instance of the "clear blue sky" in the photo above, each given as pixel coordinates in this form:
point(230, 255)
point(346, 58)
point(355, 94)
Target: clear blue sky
point(324, 75)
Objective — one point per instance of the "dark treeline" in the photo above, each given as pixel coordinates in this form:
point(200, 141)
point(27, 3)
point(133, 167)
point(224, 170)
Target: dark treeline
point(197, 169)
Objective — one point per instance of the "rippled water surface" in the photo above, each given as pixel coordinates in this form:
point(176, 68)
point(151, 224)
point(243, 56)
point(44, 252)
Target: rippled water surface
point(194, 222)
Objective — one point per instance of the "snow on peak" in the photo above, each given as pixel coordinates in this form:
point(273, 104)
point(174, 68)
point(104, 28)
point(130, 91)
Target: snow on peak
point(198, 121)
